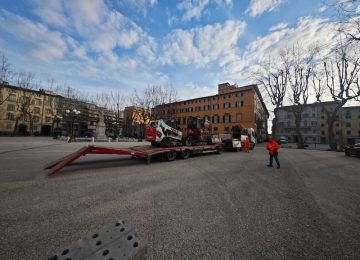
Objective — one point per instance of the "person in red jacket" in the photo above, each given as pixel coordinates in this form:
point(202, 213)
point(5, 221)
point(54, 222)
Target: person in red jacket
point(247, 145)
point(273, 147)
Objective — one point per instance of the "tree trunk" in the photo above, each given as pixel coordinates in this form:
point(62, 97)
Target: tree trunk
point(16, 126)
point(300, 143)
point(274, 128)
point(31, 124)
point(331, 135)
point(331, 115)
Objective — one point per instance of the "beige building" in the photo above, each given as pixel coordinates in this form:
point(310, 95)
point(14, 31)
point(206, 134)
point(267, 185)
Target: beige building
point(40, 112)
point(314, 125)
point(232, 106)
point(24, 111)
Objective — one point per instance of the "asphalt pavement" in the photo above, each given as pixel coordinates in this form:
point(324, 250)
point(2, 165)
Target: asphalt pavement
point(227, 206)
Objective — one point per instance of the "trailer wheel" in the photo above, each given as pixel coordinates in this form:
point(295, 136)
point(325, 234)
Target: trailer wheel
point(185, 154)
point(219, 150)
point(188, 141)
point(171, 155)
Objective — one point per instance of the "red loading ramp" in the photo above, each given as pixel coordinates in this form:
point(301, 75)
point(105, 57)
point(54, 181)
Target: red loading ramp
point(138, 151)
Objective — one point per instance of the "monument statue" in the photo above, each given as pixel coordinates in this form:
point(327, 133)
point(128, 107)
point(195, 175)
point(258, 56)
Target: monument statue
point(100, 128)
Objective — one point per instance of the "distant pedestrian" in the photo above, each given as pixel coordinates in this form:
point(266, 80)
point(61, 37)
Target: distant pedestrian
point(247, 145)
point(273, 147)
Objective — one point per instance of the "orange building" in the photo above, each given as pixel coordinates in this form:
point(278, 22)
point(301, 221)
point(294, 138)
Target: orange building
point(232, 106)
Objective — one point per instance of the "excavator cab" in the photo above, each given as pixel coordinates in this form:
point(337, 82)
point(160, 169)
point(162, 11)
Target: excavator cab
point(198, 130)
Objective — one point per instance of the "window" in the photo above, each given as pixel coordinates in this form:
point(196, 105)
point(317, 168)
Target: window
point(239, 103)
point(348, 124)
point(24, 100)
point(37, 102)
point(215, 119)
point(36, 119)
point(348, 132)
point(184, 120)
point(10, 116)
point(12, 97)
point(36, 110)
point(11, 107)
point(306, 115)
point(305, 123)
point(313, 123)
point(348, 114)
point(337, 132)
point(216, 106)
point(207, 118)
point(226, 129)
point(288, 116)
point(227, 118)
point(337, 124)
point(9, 126)
point(47, 119)
point(322, 132)
point(227, 105)
point(24, 118)
point(215, 129)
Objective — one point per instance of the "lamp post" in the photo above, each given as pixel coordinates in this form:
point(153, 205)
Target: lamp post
point(72, 114)
point(56, 119)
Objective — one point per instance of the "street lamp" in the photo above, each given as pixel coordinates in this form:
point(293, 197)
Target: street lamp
point(56, 119)
point(73, 113)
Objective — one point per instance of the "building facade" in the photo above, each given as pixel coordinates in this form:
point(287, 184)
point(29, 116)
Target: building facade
point(41, 112)
point(24, 111)
point(314, 128)
point(135, 121)
point(232, 106)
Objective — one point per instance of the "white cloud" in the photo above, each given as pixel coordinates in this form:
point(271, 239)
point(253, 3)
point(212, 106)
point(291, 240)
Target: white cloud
point(193, 9)
point(51, 11)
point(278, 27)
point(257, 7)
point(357, 9)
point(48, 45)
point(309, 31)
point(171, 19)
point(202, 45)
point(140, 5)
point(195, 91)
point(322, 8)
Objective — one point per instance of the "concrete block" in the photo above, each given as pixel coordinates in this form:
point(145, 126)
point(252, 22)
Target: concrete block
point(113, 241)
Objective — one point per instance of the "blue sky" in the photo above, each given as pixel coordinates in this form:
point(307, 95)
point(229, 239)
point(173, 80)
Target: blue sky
point(99, 45)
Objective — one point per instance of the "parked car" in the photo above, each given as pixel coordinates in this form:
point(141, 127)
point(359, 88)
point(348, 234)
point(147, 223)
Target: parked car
point(353, 150)
point(282, 140)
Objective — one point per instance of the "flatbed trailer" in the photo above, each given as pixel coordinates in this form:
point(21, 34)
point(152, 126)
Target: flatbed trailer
point(145, 152)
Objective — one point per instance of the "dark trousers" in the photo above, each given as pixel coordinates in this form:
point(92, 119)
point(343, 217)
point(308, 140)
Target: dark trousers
point(274, 155)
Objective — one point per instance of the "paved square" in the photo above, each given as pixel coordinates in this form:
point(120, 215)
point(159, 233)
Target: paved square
point(228, 206)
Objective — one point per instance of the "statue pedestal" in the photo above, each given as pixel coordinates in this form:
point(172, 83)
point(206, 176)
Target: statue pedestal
point(100, 129)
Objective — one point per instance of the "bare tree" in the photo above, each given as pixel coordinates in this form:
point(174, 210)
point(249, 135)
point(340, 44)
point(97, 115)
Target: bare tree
point(274, 81)
point(113, 101)
point(300, 65)
point(25, 80)
point(349, 16)
point(151, 97)
point(342, 81)
point(6, 75)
